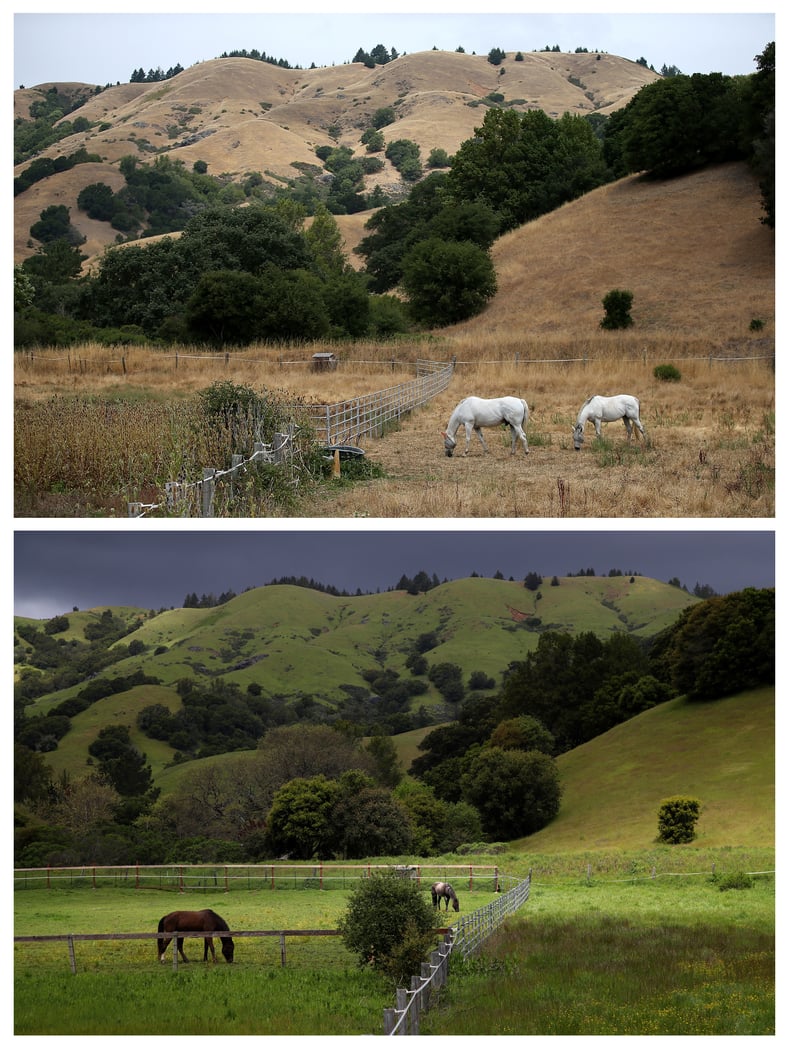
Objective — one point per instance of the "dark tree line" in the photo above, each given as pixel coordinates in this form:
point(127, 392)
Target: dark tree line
point(154, 76)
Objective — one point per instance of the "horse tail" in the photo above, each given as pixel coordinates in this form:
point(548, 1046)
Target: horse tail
point(161, 925)
point(526, 411)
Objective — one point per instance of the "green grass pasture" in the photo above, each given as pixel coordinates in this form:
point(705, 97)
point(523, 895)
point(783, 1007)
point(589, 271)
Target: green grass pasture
point(669, 956)
point(121, 988)
point(614, 952)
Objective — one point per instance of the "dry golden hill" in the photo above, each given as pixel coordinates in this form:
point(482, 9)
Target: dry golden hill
point(692, 250)
point(242, 115)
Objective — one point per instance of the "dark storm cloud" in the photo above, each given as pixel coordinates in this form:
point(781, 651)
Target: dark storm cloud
point(55, 571)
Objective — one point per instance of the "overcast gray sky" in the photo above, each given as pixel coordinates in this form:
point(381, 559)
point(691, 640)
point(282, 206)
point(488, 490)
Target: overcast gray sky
point(56, 570)
point(101, 45)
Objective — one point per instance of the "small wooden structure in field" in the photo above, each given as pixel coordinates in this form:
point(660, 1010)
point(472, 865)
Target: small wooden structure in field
point(323, 361)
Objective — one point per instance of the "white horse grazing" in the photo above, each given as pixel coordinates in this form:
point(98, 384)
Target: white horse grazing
point(618, 407)
point(474, 413)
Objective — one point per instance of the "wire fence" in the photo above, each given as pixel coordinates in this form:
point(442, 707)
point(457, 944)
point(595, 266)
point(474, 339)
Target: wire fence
point(372, 414)
point(124, 365)
point(277, 876)
point(464, 937)
point(335, 425)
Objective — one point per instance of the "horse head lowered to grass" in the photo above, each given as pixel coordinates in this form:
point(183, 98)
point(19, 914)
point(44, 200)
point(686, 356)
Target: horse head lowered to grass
point(441, 890)
point(605, 410)
point(474, 413)
point(196, 921)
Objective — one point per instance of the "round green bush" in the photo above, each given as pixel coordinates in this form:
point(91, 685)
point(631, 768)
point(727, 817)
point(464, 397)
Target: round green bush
point(667, 373)
point(389, 924)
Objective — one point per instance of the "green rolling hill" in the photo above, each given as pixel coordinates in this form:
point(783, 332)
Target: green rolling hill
point(291, 641)
point(721, 752)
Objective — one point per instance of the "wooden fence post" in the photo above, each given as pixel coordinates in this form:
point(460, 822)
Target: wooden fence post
point(207, 493)
point(72, 960)
point(389, 1021)
point(401, 1007)
point(414, 1012)
point(426, 973)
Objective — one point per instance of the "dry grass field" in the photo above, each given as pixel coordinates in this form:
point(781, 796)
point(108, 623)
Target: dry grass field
point(701, 268)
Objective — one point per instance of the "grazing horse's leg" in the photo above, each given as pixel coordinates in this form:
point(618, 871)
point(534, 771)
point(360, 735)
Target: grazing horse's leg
point(209, 945)
point(180, 947)
point(628, 427)
point(481, 439)
point(517, 432)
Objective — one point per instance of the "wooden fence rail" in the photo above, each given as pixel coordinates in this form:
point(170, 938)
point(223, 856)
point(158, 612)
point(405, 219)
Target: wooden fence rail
point(280, 933)
point(191, 877)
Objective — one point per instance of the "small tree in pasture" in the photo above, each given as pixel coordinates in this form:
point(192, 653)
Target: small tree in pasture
point(389, 925)
point(677, 819)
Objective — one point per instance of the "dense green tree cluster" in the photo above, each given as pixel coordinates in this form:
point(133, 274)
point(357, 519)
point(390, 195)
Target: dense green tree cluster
point(720, 646)
point(232, 277)
point(524, 165)
point(156, 199)
point(120, 763)
point(307, 791)
point(47, 126)
point(428, 214)
point(205, 601)
point(44, 167)
point(378, 56)
point(51, 664)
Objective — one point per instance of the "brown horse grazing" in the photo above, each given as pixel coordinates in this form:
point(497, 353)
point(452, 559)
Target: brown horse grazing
point(441, 890)
point(195, 921)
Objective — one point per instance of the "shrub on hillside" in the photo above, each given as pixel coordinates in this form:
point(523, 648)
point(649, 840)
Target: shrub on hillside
point(617, 304)
point(677, 819)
